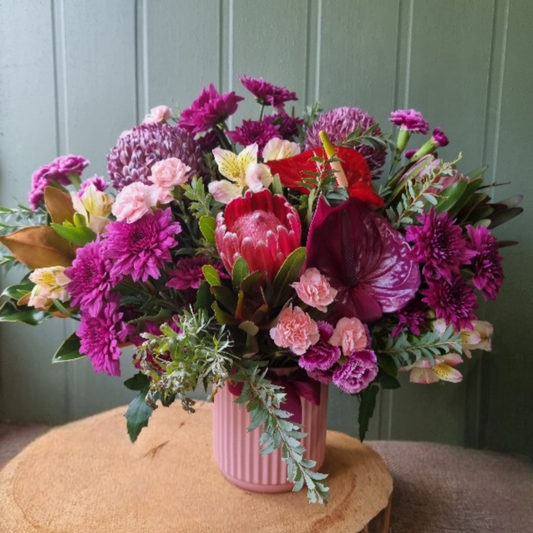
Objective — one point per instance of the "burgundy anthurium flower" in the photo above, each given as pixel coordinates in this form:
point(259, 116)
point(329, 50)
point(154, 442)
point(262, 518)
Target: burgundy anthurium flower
point(363, 258)
point(292, 170)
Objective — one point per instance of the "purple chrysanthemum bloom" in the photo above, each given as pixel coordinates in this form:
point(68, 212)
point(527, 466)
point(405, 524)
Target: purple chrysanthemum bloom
point(289, 127)
point(322, 355)
point(487, 264)
point(100, 336)
point(141, 249)
point(410, 120)
point(188, 273)
point(413, 316)
point(338, 124)
point(453, 302)
point(266, 93)
point(357, 372)
point(92, 279)
point(440, 138)
point(135, 153)
point(208, 110)
point(409, 153)
point(439, 244)
point(98, 181)
point(58, 171)
point(254, 131)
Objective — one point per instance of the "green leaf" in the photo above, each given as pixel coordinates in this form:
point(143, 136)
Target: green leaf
point(241, 271)
point(77, 235)
point(366, 408)
point(288, 273)
point(9, 312)
point(276, 185)
point(211, 275)
point(225, 296)
point(249, 327)
point(207, 227)
point(204, 299)
point(388, 365)
point(68, 351)
point(138, 414)
point(502, 216)
point(470, 190)
point(450, 196)
point(138, 382)
point(388, 382)
point(223, 317)
point(16, 292)
point(478, 172)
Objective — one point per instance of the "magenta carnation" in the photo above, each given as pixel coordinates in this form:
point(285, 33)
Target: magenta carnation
point(141, 249)
point(410, 153)
point(188, 273)
point(254, 131)
point(439, 244)
point(413, 316)
point(208, 110)
point(322, 376)
point(440, 138)
point(357, 372)
point(338, 124)
point(322, 355)
point(266, 93)
point(92, 278)
point(98, 181)
point(135, 153)
point(100, 337)
point(487, 264)
point(289, 127)
point(453, 302)
point(410, 120)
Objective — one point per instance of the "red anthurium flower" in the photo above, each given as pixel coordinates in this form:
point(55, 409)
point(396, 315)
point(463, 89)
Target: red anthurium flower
point(363, 258)
point(292, 170)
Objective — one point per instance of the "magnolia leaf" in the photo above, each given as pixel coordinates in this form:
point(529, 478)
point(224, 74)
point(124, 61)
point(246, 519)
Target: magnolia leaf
point(450, 196)
point(79, 235)
point(211, 276)
point(69, 350)
point(366, 408)
point(241, 270)
point(59, 205)
point(207, 227)
point(39, 247)
point(9, 312)
point(138, 414)
point(288, 273)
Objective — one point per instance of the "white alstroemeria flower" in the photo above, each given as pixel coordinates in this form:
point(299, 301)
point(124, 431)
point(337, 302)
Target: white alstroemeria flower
point(94, 205)
point(276, 149)
point(50, 283)
point(480, 338)
point(424, 372)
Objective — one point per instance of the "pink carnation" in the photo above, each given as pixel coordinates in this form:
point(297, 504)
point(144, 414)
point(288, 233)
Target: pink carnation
point(134, 201)
point(314, 290)
point(158, 115)
point(169, 173)
point(295, 330)
point(351, 335)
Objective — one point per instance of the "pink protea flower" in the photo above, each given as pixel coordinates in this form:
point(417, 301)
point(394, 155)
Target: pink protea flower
point(188, 273)
point(142, 248)
point(357, 372)
point(487, 264)
point(410, 120)
point(101, 335)
point(208, 110)
point(314, 290)
point(322, 355)
point(254, 131)
point(158, 115)
point(454, 302)
point(261, 227)
point(134, 201)
point(338, 124)
point(169, 173)
point(351, 334)
point(289, 126)
point(98, 182)
point(413, 316)
point(138, 150)
point(295, 330)
point(266, 93)
point(439, 244)
point(92, 278)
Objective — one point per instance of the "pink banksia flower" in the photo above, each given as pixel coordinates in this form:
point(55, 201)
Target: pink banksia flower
point(266, 93)
point(357, 372)
point(295, 330)
point(260, 227)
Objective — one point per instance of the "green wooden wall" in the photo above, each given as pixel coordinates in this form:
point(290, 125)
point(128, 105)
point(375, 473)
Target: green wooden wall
point(74, 74)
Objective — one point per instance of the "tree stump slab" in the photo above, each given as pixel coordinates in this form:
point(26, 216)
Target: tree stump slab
point(88, 477)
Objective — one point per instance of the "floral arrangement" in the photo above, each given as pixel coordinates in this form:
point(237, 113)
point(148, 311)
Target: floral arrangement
point(220, 253)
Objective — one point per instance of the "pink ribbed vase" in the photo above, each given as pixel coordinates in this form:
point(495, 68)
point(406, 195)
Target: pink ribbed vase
point(237, 451)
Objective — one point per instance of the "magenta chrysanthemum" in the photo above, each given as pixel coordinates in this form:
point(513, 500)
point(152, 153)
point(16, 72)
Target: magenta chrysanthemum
point(100, 337)
point(453, 302)
point(92, 279)
point(338, 124)
point(266, 93)
point(289, 126)
point(412, 316)
point(357, 372)
point(439, 244)
point(254, 131)
point(98, 181)
point(322, 355)
point(135, 153)
point(142, 248)
point(208, 110)
point(56, 171)
point(410, 120)
point(487, 264)
point(440, 138)
point(188, 273)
